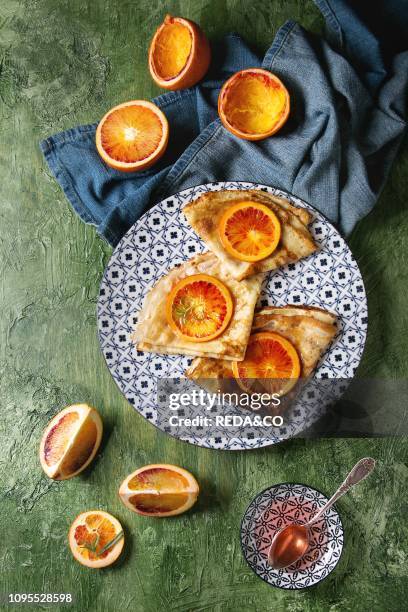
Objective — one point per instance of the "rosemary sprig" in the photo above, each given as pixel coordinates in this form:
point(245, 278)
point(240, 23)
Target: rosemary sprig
point(112, 543)
point(92, 547)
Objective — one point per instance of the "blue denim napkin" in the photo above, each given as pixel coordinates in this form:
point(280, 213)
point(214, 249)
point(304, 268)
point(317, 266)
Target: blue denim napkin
point(348, 96)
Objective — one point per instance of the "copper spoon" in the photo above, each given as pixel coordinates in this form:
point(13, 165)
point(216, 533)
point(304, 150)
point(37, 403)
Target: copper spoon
point(291, 543)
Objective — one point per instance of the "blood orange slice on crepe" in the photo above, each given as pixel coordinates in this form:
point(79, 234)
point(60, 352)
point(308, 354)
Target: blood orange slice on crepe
point(249, 231)
point(308, 329)
point(159, 490)
point(199, 307)
point(132, 136)
point(237, 227)
point(210, 315)
point(271, 360)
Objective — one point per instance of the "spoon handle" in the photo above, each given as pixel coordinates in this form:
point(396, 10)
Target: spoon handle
point(361, 470)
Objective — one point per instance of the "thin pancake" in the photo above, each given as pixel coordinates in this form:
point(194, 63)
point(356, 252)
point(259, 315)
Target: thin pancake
point(153, 334)
point(296, 241)
point(311, 331)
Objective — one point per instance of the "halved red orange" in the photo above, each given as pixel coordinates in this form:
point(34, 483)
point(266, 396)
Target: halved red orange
point(199, 308)
point(253, 104)
point(132, 136)
point(249, 231)
point(270, 360)
point(70, 441)
point(159, 490)
point(179, 54)
point(96, 539)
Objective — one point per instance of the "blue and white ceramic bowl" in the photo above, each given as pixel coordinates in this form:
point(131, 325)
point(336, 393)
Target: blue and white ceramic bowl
point(285, 504)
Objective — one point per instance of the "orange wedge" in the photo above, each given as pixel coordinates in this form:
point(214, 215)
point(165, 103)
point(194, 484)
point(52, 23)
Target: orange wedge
point(270, 360)
point(96, 539)
point(253, 104)
point(179, 54)
point(159, 490)
point(249, 231)
point(199, 308)
point(132, 136)
point(70, 441)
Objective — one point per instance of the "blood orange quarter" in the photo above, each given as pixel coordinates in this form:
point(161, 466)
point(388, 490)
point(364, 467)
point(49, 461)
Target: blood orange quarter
point(159, 490)
point(70, 441)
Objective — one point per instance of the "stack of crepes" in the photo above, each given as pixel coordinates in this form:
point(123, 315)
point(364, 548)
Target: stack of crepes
point(205, 307)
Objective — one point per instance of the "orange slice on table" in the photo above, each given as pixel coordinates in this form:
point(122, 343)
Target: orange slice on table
point(199, 308)
point(132, 136)
point(249, 231)
point(179, 54)
point(271, 361)
point(96, 539)
point(70, 441)
point(253, 104)
point(159, 490)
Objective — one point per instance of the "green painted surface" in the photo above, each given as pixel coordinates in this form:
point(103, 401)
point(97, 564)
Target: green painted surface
point(64, 62)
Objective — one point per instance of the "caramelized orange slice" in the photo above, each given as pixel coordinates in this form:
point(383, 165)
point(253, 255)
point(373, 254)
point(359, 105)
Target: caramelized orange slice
point(270, 360)
point(159, 490)
point(253, 104)
point(132, 136)
point(199, 308)
point(96, 539)
point(70, 441)
point(249, 231)
point(179, 54)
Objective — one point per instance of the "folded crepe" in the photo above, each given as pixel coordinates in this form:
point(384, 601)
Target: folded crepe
point(311, 331)
point(296, 241)
point(153, 333)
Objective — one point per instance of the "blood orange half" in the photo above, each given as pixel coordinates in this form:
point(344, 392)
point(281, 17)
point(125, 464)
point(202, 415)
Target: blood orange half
point(179, 54)
point(199, 308)
point(132, 136)
point(270, 360)
point(159, 490)
point(253, 104)
point(249, 231)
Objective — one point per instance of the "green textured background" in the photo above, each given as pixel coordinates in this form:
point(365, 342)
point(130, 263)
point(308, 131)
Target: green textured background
point(63, 63)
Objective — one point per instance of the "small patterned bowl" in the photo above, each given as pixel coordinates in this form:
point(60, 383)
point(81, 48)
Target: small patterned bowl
point(273, 509)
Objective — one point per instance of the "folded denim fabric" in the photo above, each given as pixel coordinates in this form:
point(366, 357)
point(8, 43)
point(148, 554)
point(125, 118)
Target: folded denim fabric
point(348, 101)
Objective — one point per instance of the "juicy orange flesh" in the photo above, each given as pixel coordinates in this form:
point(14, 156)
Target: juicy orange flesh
point(254, 103)
point(172, 50)
point(266, 359)
point(199, 309)
point(97, 531)
point(131, 133)
point(154, 504)
point(250, 231)
point(158, 479)
point(59, 437)
point(82, 449)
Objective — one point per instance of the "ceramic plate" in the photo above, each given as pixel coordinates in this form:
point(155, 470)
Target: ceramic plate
point(281, 505)
point(161, 239)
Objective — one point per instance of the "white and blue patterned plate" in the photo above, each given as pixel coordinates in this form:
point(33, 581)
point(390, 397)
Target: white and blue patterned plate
point(285, 504)
point(161, 239)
